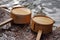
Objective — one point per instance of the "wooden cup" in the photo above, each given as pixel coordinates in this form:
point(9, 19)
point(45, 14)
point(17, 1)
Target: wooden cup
point(41, 24)
point(21, 15)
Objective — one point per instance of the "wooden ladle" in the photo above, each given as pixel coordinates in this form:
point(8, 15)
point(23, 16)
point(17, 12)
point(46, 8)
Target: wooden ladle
point(41, 24)
point(19, 15)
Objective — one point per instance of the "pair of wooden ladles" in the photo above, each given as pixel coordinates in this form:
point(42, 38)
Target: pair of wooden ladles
point(40, 24)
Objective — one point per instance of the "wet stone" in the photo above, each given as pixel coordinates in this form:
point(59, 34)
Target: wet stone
point(1, 34)
point(23, 32)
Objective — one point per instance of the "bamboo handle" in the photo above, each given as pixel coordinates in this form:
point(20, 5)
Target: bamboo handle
point(39, 35)
point(5, 22)
point(3, 6)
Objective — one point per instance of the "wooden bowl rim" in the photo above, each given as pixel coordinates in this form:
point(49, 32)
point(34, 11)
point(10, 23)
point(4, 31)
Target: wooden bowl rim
point(20, 7)
point(44, 16)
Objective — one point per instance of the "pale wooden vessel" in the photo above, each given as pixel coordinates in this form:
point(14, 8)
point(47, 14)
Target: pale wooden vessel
point(21, 15)
point(41, 24)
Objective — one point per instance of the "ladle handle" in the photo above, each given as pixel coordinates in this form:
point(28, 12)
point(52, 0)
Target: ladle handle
point(3, 6)
point(5, 22)
point(39, 35)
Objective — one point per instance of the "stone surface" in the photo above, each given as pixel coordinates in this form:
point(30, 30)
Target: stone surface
point(23, 32)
